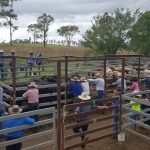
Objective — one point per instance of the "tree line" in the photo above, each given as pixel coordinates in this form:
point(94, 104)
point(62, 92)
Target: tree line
point(109, 31)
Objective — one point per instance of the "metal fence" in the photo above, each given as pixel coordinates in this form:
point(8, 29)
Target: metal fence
point(49, 132)
point(144, 115)
point(92, 132)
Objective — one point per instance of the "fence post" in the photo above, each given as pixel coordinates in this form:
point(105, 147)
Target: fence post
point(14, 78)
point(139, 67)
point(66, 76)
point(105, 76)
point(59, 124)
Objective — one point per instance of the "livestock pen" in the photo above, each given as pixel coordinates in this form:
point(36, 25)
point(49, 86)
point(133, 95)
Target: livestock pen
point(54, 79)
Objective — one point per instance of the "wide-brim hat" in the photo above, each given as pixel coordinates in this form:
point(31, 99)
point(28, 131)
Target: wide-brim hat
point(97, 75)
point(119, 74)
point(14, 109)
point(84, 97)
point(75, 79)
point(83, 79)
point(32, 84)
point(12, 51)
point(1, 51)
point(30, 52)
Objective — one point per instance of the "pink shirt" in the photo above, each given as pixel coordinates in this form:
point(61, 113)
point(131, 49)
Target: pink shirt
point(135, 87)
point(32, 95)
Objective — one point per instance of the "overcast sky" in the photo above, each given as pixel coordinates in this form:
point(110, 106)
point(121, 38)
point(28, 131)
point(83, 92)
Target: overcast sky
point(65, 12)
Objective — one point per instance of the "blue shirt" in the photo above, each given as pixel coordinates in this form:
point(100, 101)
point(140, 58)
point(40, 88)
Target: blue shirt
point(75, 88)
point(15, 123)
point(85, 108)
point(39, 59)
point(146, 81)
point(30, 60)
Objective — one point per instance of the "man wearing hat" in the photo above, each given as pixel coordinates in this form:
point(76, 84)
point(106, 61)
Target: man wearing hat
point(75, 88)
point(30, 61)
point(11, 123)
point(39, 61)
point(146, 81)
point(32, 95)
point(85, 85)
point(81, 118)
point(118, 82)
point(2, 64)
point(137, 108)
point(100, 85)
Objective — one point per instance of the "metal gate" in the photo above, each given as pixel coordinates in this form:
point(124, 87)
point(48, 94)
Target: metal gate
point(51, 130)
point(144, 114)
point(105, 129)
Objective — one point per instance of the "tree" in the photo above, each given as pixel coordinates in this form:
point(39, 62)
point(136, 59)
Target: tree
point(8, 14)
point(43, 23)
point(140, 34)
point(68, 32)
point(110, 31)
point(34, 29)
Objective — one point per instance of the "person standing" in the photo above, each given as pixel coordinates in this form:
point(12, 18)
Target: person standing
point(135, 85)
point(81, 118)
point(118, 83)
point(2, 65)
point(100, 85)
point(85, 85)
point(75, 88)
point(136, 107)
point(39, 62)
point(30, 61)
point(115, 110)
point(2, 105)
point(15, 123)
point(32, 95)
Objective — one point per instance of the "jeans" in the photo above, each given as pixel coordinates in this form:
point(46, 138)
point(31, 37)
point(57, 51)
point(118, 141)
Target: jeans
point(135, 116)
point(115, 120)
point(100, 95)
point(33, 106)
point(80, 129)
point(16, 146)
point(2, 112)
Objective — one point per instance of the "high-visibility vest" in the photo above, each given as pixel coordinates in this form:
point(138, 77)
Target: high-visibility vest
point(135, 106)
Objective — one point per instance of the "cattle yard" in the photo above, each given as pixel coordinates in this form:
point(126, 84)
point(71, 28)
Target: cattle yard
point(53, 77)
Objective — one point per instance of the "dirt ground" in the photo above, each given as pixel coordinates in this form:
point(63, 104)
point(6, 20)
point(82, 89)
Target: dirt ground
point(132, 142)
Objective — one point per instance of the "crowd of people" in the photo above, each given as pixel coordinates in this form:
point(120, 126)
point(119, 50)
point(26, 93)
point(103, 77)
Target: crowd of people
point(80, 89)
point(31, 61)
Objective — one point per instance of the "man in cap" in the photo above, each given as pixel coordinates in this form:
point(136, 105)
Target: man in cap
point(100, 85)
point(81, 118)
point(30, 61)
point(11, 123)
point(2, 64)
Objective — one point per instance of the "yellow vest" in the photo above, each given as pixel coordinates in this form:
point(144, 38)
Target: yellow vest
point(135, 106)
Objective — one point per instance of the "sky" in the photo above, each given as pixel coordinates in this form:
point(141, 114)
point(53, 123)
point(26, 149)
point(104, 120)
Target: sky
point(65, 12)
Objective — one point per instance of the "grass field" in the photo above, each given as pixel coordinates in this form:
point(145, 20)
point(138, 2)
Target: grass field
point(49, 51)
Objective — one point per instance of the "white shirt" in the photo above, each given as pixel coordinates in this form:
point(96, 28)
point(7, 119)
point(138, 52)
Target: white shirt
point(85, 87)
point(100, 83)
